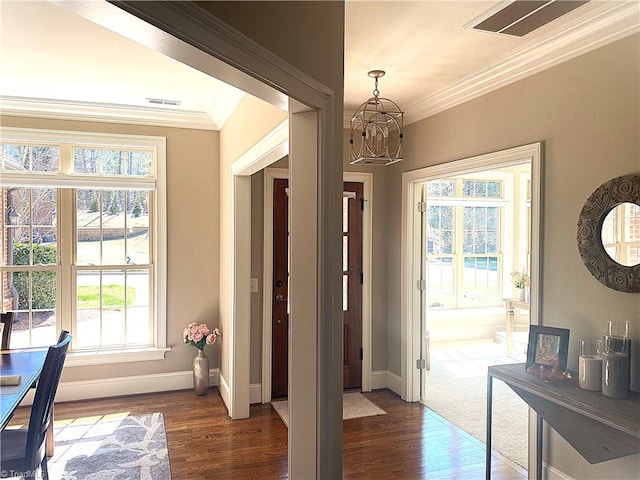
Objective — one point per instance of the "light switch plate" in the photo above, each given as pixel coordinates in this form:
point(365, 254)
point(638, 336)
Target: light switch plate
point(254, 285)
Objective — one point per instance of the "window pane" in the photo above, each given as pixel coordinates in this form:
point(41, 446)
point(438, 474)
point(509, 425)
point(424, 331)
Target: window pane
point(479, 242)
point(345, 253)
point(139, 163)
point(493, 218)
point(440, 235)
point(138, 248)
point(441, 188)
point(32, 231)
point(440, 286)
point(32, 296)
point(33, 329)
point(493, 189)
point(32, 158)
point(113, 227)
point(480, 281)
point(345, 292)
point(345, 214)
point(482, 188)
point(468, 188)
point(89, 220)
point(109, 161)
point(86, 160)
point(480, 218)
point(609, 228)
point(138, 308)
point(631, 222)
point(114, 162)
point(107, 302)
point(493, 245)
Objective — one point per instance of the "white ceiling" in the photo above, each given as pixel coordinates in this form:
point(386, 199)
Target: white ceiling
point(53, 62)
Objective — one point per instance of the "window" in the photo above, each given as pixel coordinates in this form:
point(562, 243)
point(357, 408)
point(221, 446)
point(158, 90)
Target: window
point(621, 234)
point(83, 241)
point(464, 251)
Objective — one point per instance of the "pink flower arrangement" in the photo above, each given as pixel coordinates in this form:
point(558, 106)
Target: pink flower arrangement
point(200, 335)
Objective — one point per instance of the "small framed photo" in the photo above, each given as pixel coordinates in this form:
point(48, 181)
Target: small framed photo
point(548, 347)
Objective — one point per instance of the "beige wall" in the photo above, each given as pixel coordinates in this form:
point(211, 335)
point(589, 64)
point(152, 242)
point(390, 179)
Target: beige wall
point(192, 240)
point(587, 113)
point(248, 124)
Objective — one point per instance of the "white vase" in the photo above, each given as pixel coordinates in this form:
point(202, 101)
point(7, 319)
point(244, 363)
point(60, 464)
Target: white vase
point(201, 373)
point(521, 294)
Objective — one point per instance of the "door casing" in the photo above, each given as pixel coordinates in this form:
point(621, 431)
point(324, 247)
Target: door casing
point(367, 180)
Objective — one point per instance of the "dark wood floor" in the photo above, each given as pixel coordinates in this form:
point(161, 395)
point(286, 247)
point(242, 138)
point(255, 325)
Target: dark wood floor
point(410, 442)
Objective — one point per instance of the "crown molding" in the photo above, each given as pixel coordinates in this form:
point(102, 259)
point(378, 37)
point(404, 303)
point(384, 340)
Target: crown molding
point(106, 113)
point(603, 25)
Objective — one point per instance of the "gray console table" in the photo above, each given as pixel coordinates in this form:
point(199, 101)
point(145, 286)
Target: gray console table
point(598, 427)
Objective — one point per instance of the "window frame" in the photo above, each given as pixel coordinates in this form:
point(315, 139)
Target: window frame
point(459, 201)
point(67, 182)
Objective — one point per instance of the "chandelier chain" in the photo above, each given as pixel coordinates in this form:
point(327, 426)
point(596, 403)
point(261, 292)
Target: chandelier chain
point(376, 92)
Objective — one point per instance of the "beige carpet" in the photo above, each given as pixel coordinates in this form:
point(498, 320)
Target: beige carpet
point(457, 390)
point(354, 405)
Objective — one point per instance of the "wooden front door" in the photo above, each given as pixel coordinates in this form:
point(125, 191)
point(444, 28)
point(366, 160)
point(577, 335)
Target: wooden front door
point(280, 300)
point(352, 208)
point(352, 287)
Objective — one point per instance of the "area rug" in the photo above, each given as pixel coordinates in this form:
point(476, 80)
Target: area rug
point(354, 405)
point(111, 447)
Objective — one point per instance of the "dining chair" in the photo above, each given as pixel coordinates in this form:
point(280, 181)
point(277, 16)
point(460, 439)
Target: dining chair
point(7, 320)
point(24, 450)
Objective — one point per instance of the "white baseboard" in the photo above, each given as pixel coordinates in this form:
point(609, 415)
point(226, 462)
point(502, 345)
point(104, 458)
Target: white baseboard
point(386, 379)
point(255, 393)
point(225, 392)
point(118, 386)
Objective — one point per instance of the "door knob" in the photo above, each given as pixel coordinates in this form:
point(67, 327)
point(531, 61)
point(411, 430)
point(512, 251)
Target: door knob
point(281, 298)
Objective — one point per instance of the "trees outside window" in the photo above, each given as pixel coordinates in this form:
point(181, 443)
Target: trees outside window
point(82, 219)
point(464, 257)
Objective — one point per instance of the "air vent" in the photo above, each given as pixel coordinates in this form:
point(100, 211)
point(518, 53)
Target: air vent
point(519, 17)
point(162, 101)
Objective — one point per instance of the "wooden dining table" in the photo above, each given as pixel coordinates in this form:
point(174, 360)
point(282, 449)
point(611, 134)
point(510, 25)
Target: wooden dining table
point(27, 363)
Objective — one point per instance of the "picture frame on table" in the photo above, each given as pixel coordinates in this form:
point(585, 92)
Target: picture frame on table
point(548, 347)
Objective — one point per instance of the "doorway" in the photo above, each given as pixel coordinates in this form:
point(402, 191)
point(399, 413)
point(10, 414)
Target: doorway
point(475, 233)
point(356, 265)
point(353, 203)
point(415, 315)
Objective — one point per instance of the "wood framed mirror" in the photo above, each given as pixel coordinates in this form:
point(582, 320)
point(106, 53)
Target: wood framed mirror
point(609, 233)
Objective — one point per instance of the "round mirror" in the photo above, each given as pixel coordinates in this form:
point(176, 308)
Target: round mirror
point(620, 234)
point(609, 234)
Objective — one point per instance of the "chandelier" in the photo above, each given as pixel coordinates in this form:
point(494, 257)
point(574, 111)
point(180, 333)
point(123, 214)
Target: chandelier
point(376, 130)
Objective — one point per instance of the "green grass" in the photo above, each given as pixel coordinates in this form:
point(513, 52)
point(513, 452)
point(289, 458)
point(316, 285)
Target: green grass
point(112, 296)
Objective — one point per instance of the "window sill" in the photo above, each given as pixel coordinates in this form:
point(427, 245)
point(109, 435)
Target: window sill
point(105, 357)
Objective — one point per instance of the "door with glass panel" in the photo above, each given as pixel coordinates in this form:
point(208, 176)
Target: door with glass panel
point(353, 205)
point(352, 278)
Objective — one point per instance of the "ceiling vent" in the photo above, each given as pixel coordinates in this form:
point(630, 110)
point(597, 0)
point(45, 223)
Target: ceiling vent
point(519, 17)
point(162, 101)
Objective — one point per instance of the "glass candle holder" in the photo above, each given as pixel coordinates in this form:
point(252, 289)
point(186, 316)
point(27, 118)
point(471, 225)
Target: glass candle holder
point(590, 365)
point(615, 374)
point(617, 337)
point(616, 358)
